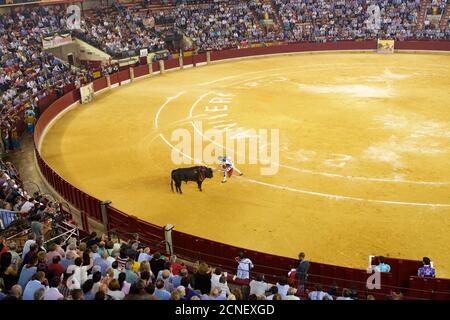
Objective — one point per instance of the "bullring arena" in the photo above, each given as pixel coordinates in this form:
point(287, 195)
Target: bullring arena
point(224, 150)
point(364, 147)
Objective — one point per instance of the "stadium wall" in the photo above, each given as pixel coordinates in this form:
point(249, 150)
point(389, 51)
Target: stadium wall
point(194, 248)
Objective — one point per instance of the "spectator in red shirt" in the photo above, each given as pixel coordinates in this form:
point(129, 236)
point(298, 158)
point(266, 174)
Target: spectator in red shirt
point(32, 252)
point(55, 269)
point(176, 267)
point(3, 247)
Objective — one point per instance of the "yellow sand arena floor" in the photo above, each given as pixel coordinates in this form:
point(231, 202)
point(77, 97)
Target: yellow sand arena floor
point(364, 149)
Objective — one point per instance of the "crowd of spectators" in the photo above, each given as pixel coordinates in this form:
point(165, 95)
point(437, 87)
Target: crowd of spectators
point(436, 7)
point(33, 209)
point(98, 268)
point(263, 10)
point(119, 30)
point(343, 20)
point(218, 25)
point(27, 72)
point(101, 269)
point(431, 26)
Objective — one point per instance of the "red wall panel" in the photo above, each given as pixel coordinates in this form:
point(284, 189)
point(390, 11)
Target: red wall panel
point(140, 71)
point(100, 84)
point(124, 75)
point(171, 64)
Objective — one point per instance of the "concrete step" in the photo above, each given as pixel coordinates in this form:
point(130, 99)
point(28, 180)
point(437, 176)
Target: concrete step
point(91, 53)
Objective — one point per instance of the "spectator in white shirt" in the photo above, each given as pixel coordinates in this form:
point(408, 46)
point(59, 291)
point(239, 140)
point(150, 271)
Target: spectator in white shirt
point(79, 271)
point(28, 243)
point(244, 266)
point(114, 290)
point(215, 276)
point(346, 293)
point(96, 278)
point(283, 287)
point(53, 293)
point(318, 294)
point(111, 258)
point(291, 294)
point(27, 206)
point(145, 255)
point(223, 287)
point(259, 287)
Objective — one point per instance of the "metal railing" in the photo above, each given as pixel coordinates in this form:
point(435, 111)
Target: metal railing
point(67, 231)
point(7, 218)
point(152, 244)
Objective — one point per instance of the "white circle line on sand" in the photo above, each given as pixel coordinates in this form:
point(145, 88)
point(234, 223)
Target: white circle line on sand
point(336, 175)
point(332, 196)
point(302, 67)
point(275, 69)
point(168, 100)
point(341, 197)
point(177, 150)
point(325, 195)
point(325, 174)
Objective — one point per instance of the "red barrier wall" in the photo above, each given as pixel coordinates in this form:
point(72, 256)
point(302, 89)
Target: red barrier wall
point(140, 71)
point(124, 75)
point(423, 45)
point(114, 78)
point(185, 245)
point(100, 84)
point(54, 109)
point(297, 47)
point(199, 58)
point(155, 66)
point(171, 64)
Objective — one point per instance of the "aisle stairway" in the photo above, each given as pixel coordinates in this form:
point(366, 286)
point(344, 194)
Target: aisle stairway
point(90, 53)
point(422, 13)
point(444, 24)
point(278, 19)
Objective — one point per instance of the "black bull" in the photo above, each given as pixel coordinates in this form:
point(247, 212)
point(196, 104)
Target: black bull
point(197, 174)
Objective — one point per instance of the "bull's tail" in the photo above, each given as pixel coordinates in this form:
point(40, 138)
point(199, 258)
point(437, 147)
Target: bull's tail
point(171, 184)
